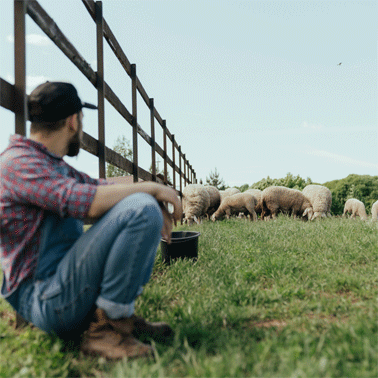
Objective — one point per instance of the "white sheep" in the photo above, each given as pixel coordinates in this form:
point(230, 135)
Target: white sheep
point(235, 204)
point(320, 198)
point(355, 207)
point(215, 200)
point(280, 198)
point(228, 192)
point(257, 194)
point(374, 211)
point(195, 202)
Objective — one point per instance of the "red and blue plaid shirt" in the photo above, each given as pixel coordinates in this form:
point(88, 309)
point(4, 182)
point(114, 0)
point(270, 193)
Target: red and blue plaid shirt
point(33, 180)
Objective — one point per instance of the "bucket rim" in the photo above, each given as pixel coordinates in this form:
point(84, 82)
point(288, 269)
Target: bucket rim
point(196, 234)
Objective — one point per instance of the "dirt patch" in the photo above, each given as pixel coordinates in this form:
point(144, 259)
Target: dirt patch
point(346, 295)
point(9, 316)
point(270, 324)
point(328, 318)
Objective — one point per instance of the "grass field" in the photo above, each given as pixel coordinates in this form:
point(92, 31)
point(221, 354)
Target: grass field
point(283, 298)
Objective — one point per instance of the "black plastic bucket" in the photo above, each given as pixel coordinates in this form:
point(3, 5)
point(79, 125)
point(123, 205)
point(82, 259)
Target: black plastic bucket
point(184, 244)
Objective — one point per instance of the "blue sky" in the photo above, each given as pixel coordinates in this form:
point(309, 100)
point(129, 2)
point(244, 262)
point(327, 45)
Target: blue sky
point(252, 88)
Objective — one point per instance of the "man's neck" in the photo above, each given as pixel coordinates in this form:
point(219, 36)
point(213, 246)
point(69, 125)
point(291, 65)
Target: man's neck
point(54, 142)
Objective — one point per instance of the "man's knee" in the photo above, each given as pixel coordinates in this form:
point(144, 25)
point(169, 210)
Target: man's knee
point(146, 206)
point(152, 210)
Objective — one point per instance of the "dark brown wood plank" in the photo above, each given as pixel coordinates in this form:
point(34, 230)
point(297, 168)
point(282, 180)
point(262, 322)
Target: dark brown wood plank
point(143, 92)
point(110, 38)
point(20, 110)
point(7, 95)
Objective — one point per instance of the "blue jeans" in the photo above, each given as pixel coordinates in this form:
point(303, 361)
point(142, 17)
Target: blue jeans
point(107, 266)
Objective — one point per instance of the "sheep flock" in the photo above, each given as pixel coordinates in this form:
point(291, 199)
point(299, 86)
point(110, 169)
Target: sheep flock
point(314, 201)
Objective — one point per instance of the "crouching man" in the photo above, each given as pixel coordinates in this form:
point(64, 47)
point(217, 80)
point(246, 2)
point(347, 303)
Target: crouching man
point(60, 279)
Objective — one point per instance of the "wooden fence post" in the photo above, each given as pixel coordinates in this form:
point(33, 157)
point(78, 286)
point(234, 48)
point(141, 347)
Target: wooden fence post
point(135, 123)
point(100, 89)
point(165, 151)
point(173, 161)
point(21, 112)
point(179, 150)
point(153, 144)
point(184, 160)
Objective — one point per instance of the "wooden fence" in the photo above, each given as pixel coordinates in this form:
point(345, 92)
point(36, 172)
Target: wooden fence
point(14, 98)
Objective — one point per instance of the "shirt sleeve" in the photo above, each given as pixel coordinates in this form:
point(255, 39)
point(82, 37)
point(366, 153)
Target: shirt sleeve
point(84, 178)
point(36, 182)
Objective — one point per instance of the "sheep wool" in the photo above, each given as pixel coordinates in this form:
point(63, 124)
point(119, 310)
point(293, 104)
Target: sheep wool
point(374, 211)
point(215, 200)
point(235, 204)
point(355, 207)
point(257, 194)
point(320, 198)
point(287, 200)
point(195, 202)
point(228, 192)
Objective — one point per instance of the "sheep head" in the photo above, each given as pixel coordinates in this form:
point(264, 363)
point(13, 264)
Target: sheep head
point(309, 212)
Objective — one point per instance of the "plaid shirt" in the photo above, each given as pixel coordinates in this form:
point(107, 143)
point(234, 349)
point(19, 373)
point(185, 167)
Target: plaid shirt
point(33, 180)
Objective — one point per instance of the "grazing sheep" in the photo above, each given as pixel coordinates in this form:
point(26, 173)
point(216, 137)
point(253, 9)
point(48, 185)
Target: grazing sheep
point(228, 192)
point(355, 207)
point(320, 198)
point(232, 191)
point(257, 194)
point(235, 204)
point(280, 198)
point(374, 211)
point(195, 202)
point(215, 200)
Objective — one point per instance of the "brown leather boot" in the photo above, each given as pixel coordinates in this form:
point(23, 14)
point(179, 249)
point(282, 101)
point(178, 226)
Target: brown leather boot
point(104, 338)
point(159, 331)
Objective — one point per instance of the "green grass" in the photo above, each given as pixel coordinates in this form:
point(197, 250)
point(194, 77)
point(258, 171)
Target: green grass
point(281, 298)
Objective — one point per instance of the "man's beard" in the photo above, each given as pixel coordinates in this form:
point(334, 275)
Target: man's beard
point(75, 143)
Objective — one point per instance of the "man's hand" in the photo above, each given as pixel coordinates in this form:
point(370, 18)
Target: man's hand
point(166, 195)
point(168, 220)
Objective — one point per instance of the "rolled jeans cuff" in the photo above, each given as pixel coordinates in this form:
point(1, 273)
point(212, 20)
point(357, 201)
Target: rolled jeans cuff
point(115, 310)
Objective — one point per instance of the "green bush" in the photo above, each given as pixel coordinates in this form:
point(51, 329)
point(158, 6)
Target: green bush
point(290, 181)
point(362, 187)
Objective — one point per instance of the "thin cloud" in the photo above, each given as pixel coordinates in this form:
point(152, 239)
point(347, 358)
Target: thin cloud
point(345, 160)
point(33, 39)
point(312, 126)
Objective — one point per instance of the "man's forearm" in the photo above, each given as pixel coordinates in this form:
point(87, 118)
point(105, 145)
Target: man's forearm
point(109, 195)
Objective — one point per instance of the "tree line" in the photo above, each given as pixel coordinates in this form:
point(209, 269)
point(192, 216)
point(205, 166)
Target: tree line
point(362, 187)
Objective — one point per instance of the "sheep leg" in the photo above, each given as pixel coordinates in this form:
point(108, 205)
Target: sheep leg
point(228, 213)
point(252, 213)
point(265, 211)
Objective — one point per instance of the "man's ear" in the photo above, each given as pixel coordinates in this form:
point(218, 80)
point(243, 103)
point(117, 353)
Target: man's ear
point(72, 122)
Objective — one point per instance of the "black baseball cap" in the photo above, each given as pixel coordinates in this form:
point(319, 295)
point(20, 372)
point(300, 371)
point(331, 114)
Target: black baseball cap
point(53, 101)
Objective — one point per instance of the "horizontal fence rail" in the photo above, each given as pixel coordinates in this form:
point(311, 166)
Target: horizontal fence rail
point(14, 97)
